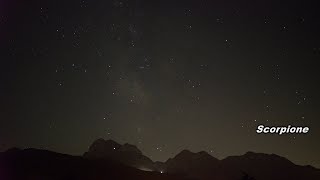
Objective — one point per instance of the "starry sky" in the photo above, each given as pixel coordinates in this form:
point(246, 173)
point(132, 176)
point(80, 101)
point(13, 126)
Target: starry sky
point(162, 75)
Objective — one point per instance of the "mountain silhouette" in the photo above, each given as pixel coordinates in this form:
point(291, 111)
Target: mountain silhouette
point(106, 159)
point(202, 165)
point(270, 166)
point(127, 154)
point(33, 164)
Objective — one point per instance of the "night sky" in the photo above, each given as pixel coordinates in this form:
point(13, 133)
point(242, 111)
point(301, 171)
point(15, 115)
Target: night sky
point(162, 75)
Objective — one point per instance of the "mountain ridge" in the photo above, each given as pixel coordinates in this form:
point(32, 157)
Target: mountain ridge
point(21, 164)
point(204, 166)
point(187, 151)
point(186, 164)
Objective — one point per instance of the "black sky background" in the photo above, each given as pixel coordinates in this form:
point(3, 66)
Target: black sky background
point(163, 75)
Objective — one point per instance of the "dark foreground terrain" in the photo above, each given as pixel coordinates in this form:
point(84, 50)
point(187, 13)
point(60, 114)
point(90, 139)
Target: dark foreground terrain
point(32, 164)
point(110, 160)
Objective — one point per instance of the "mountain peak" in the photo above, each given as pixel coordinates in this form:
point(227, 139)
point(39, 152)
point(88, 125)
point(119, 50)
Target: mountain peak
point(203, 153)
point(101, 146)
point(126, 154)
point(188, 156)
point(130, 148)
point(250, 153)
point(185, 152)
point(262, 156)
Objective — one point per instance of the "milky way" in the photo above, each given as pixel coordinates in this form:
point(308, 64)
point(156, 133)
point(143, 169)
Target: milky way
point(165, 76)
